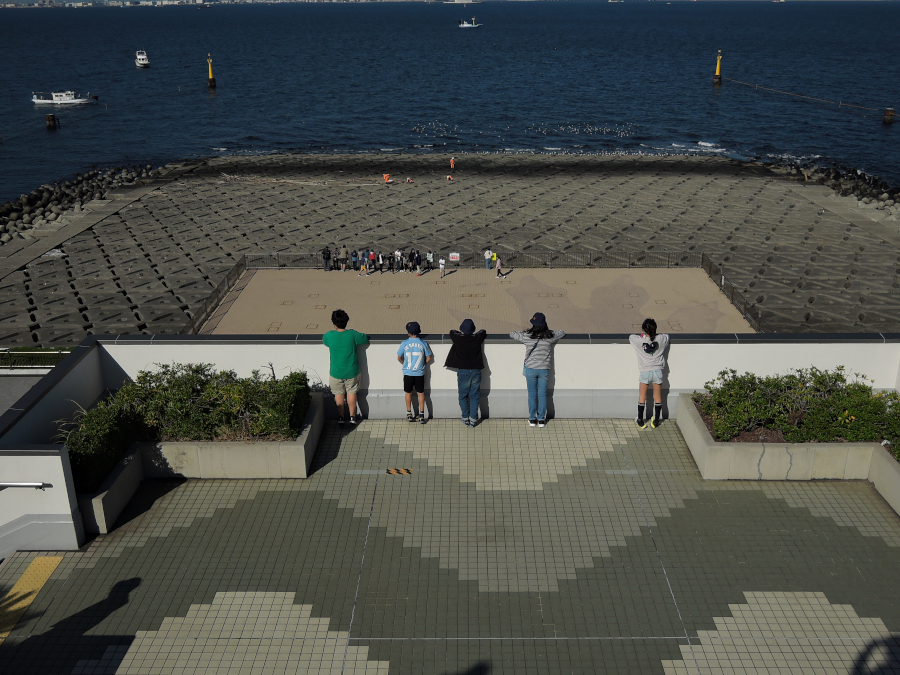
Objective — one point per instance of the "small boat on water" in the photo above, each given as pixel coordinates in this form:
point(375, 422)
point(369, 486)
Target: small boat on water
point(466, 24)
point(140, 59)
point(61, 98)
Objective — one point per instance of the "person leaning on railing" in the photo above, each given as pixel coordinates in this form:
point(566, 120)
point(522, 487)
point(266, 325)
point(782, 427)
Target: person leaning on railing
point(538, 341)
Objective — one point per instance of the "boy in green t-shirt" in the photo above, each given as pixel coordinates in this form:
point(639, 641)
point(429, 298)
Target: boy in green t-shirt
point(343, 374)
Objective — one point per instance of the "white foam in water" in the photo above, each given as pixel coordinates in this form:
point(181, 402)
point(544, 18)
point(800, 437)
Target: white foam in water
point(706, 145)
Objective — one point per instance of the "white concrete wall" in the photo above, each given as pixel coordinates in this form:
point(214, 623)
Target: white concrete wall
point(33, 519)
point(80, 386)
point(588, 380)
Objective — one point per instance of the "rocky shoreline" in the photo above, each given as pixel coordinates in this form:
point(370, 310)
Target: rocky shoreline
point(51, 202)
point(870, 191)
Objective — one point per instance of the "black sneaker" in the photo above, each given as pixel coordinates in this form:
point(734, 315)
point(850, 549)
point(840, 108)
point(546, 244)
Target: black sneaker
point(340, 420)
point(421, 419)
point(641, 424)
point(542, 424)
point(532, 423)
point(352, 419)
point(410, 417)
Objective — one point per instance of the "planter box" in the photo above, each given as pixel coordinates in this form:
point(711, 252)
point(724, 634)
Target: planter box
point(100, 510)
point(787, 461)
point(239, 459)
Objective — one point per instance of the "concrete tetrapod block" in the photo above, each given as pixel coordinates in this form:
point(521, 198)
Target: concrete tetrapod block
point(100, 510)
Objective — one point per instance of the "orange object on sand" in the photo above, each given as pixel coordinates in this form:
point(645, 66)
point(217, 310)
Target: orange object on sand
point(409, 180)
point(449, 177)
point(387, 178)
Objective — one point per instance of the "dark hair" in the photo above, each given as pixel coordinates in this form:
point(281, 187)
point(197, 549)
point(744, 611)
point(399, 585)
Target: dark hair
point(649, 327)
point(340, 318)
point(539, 332)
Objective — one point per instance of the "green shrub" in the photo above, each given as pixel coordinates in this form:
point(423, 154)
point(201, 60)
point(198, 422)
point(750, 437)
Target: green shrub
point(807, 405)
point(191, 402)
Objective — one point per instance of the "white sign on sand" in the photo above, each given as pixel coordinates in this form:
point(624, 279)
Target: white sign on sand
point(454, 257)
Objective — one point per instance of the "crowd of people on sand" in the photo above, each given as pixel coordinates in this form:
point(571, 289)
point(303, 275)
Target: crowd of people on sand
point(466, 357)
point(366, 261)
point(369, 261)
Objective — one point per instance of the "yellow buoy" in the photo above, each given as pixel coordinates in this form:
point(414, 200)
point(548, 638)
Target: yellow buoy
point(212, 81)
point(717, 79)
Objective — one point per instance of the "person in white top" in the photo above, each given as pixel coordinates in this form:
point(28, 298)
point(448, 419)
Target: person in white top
point(488, 255)
point(651, 355)
point(442, 263)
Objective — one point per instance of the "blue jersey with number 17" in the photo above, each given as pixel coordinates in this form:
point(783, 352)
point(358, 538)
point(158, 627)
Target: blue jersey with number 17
point(414, 352)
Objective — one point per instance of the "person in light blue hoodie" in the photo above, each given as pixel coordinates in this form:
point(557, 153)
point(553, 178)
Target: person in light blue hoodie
point(414, 353)
point(538, 341)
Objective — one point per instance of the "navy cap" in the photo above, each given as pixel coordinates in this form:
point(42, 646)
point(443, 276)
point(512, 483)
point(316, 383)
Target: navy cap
point(413, 328)
point(538, 319)
point(467, 327)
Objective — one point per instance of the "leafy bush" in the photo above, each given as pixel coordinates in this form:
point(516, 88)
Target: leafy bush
point(807, 405)
point(189, 402)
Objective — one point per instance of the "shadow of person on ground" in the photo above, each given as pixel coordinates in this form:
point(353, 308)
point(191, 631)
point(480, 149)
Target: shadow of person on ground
point(884, 653)
point(480, 668)
point(60, 648)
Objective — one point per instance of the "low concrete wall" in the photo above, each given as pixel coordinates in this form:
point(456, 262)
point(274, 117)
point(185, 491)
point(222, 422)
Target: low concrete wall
point(100, 510)
point(239, 459)
point(38, 519)
point(201, 460)
point(788, 461)
point(592, 376)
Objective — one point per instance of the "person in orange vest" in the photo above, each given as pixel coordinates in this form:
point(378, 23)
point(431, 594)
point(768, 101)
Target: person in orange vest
point(453, 162)
point(409, 180)
point(449, 177)
point(387, 178)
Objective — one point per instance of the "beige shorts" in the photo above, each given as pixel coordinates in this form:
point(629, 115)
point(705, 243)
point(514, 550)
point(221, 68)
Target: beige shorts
point(340, 387)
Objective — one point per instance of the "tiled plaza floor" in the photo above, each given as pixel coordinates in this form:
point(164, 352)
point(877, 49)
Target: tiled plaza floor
point(586, 547)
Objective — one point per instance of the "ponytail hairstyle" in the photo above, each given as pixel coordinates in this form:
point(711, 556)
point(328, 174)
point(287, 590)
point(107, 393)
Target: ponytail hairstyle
point(649, 327)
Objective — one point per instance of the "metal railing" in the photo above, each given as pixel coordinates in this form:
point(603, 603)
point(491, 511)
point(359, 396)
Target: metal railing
point(511, 259)
point(209, 305)
point(10, 359)
point(752, 316)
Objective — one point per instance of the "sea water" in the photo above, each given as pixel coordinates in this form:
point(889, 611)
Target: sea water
point(535, 77)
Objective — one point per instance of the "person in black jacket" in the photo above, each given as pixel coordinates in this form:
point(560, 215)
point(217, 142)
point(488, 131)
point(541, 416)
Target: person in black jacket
point(326, 258)
point(465, 355)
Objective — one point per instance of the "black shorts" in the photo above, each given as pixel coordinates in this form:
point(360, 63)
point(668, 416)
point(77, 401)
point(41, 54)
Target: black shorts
point(417, 381)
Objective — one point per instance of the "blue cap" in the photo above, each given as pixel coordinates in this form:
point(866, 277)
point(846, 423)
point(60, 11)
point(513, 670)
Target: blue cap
point(467, 327)
point(413, 328)
point(538, 319)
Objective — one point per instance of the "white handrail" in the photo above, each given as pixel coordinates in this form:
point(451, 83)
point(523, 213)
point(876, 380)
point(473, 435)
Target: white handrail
point(36, 486)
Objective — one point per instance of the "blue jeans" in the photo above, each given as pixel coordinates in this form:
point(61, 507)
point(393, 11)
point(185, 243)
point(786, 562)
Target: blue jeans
point(487, 263)
point(469, 384)
point(537, 392)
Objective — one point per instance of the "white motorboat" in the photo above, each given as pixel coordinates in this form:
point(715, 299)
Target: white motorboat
point(140, 59)
point(61, 98)
point(466, 24)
